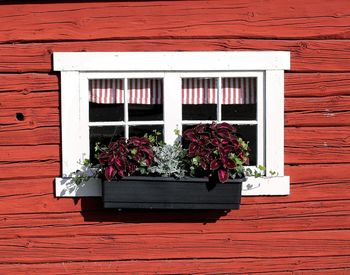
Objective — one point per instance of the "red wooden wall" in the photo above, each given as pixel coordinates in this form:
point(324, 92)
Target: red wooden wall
point(306, 232)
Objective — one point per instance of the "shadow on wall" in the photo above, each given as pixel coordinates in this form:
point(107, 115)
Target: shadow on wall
point(92, 210)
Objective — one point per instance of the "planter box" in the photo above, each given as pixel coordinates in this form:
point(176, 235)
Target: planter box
point(169, 193)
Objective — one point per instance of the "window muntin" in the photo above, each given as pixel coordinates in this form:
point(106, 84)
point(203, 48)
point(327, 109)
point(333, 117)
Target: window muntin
point(199, 98)
point(119, 112)
point(240, 102)
point(124, 106)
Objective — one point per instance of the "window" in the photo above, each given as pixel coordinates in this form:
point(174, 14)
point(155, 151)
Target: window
point(123, 106)
point(105, 95)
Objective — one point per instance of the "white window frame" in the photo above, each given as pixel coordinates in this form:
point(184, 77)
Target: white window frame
point(77, 67)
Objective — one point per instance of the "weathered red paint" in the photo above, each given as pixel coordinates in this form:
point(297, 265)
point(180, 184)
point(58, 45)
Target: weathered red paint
point(308, 231)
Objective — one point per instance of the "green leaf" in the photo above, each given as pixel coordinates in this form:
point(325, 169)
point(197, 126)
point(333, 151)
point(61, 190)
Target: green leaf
point(196, 160)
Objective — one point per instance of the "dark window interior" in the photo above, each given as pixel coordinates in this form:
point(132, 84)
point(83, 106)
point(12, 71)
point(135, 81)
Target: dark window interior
point(106, 112)
point(238, 112)
point(199, 112)
point(104, 135)
point(144, 112)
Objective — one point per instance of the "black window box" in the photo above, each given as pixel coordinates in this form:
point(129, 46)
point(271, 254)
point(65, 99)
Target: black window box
point(170, 193)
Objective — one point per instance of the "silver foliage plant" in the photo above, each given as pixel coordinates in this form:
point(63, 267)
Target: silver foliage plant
point(168, 161)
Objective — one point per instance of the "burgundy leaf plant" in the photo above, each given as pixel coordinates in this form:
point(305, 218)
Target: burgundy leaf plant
point(124, 157)
point(215, 150)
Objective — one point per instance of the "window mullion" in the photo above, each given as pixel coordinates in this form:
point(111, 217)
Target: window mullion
point(84, 115)
point(126, 107)
point(260, 121)
point(219, 99)
point(172, 106)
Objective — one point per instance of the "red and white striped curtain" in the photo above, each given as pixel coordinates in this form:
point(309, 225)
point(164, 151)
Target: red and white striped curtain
point(236, 90)
point(199, 91)
point(145, 91)
point(141, 91)
point(106, 91)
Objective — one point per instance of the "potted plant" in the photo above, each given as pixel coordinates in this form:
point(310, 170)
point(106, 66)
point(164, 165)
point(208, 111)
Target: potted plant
point(142, 172)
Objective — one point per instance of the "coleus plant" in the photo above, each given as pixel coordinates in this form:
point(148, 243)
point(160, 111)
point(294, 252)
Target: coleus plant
point(123, 157)
point(215, 150)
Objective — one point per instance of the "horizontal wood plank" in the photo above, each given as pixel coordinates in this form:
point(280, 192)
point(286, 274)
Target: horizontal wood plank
point(317, 145)
point(27, 83)
point(316, 84)
point(28, 118)
point(162, 19)
point(328, 105)
point(317, 118)
point(59, 225)
point(114, 246)
point(29, 153)
point(318, 173)
point(29, 170)
point(317, 111)
point(330, 265)
point(22, 100)
point(36, 136)
point(306, 55)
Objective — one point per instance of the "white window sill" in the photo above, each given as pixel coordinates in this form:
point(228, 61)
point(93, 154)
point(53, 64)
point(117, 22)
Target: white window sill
point(267, 186)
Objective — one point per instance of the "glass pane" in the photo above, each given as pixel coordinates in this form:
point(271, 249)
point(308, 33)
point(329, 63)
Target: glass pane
point(106, 112)
point(145, 99)
point(106, 100)
point(199, 112)
point(141, 130)
point(104, 135)
point(239, 98)
point(249, 134)
point(239, 112)
point(142, 112)
point(199, 98)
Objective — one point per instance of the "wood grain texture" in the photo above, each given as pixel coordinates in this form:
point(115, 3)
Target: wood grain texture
point(317, 84)
point(27, 83)
point(33, 118)
point(307, 55)
point(114, 246)
point(24, 100)
point(36, 136)
point(164, 19)
point(299, 265)
point(29, 153)
point(33, 169)
point(317, 145)
point(298, 216)
point(307, 232)
point(317, 111)
point(318, 174)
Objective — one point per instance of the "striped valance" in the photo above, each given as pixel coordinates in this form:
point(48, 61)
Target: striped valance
point(141, 91)
point(239, 90)
point(236, 90)
point(194, 91)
